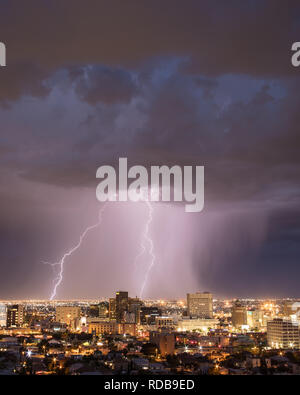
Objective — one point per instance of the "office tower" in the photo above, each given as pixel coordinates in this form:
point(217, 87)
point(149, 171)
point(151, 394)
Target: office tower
point(129, 318)
point(121, 305)
point(3, 314)
point(98, 310)
point(134, 306)
point(93, 310)
point(238, 315)
point(15, 316)
point(200, 305)
point(149, 314)
point(127, 329)
point(103, 310)
point(255, 318)
point(112, 309)
point(67, 314)
point(283, 333)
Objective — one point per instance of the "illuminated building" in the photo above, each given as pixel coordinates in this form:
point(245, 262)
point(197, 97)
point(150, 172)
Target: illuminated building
point(200, 305)
point(194, 324)
point(93, 310)
point(112, 309)
point(103, 309)
point(238, 315)
point(134, 306)
point(67, 314)
point(3, 314)
point(164, 322)
point(164, 341)
point(129, 318)
point(255, 318)
point(58, 327)
point(15, 316)
point(112, 328)
point(103, 327)
point(127, 329)
point(283, 333)
point(121, 305)
point(98, 310)
point(148, 315)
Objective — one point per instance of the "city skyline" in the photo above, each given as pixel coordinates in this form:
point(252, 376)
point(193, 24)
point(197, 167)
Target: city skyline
point(197, 336)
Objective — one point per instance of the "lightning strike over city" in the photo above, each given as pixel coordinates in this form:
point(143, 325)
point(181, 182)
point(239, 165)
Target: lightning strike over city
point(146, 246)
point(62, 262)
point(148, 241)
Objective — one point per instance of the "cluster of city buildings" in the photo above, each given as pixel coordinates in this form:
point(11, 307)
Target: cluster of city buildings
point(123, 334)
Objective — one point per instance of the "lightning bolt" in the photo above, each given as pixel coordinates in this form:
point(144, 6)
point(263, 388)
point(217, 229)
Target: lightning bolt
point(147, 240)
point(146, 244)
point(61, 263)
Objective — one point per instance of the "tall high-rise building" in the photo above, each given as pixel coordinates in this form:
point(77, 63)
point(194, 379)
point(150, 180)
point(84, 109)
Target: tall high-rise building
point(103, 310)
point(15, 316)
point(134, 306)
point(67, 314)
point(238, 315)
point(99, 310)
point(283, 333)
point(200, 305)
point(112, 309)
point(255, 318)
point(121, 305)
point(3, 314)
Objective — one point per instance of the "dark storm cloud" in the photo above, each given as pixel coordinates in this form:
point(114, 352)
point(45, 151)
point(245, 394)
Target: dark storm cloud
point(246, 144)
point(217, 37)
point(97, 84)
point(22, 78)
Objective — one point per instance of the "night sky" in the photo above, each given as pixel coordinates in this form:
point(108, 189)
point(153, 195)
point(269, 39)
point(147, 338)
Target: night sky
point(160, 82)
